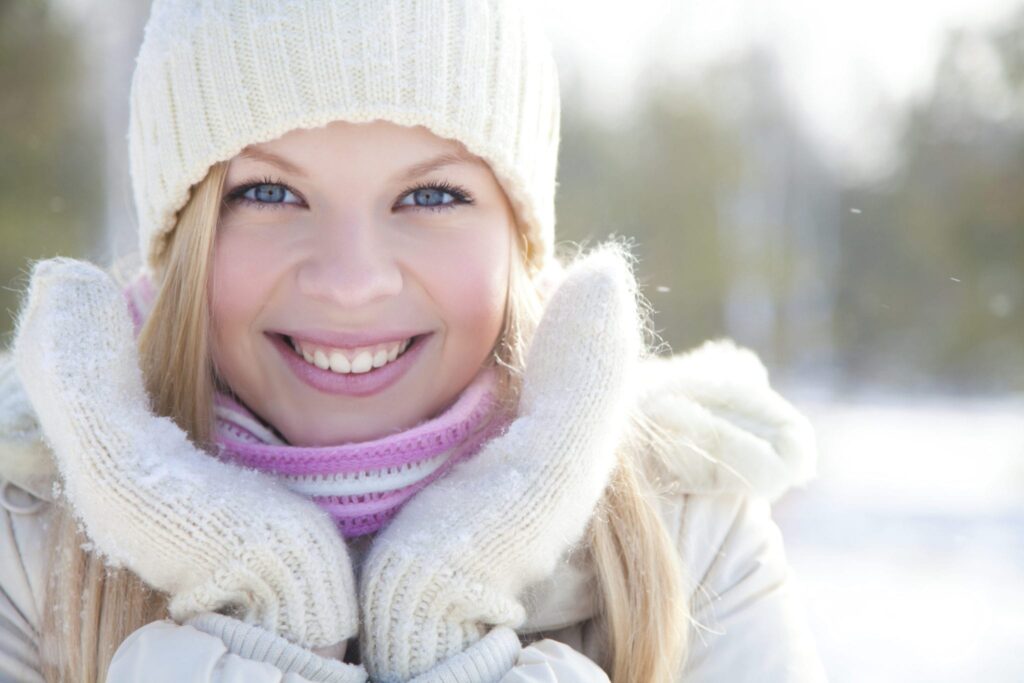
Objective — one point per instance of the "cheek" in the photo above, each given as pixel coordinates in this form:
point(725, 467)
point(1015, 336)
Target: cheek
point(476, 303)
point(241, 277)
point(470, 286)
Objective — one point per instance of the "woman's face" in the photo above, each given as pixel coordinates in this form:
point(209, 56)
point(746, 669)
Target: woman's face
point(346, 242)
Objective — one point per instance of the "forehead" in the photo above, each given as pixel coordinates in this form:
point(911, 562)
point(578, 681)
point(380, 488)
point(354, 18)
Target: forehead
point(383, 141)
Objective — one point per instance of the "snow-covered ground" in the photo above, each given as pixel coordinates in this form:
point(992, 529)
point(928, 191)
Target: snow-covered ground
point(908, 550)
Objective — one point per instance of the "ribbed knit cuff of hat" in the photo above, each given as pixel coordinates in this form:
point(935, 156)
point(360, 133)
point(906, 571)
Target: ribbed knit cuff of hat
point(258, 644)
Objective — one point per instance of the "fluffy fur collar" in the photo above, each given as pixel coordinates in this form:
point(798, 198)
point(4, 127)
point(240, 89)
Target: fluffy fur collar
point(726, 429)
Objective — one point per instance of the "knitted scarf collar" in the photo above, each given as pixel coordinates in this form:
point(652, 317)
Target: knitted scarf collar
point(361, 485)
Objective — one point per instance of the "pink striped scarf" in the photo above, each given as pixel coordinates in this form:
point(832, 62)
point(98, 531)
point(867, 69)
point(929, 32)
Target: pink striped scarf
point(361, 485)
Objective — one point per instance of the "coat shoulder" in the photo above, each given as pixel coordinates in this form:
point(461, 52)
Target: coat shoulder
point(25, 523)
point(719, 427)
point(743, 594)
point(26, 513)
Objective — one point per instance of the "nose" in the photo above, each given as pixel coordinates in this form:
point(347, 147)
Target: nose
point(350, 264)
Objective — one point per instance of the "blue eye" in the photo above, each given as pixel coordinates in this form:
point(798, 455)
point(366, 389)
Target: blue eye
point(427, 197)
point(441, 196)
point(266, 193)
point(269, 194)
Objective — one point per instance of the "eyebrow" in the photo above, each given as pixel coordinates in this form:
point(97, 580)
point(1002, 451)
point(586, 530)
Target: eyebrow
point(414, 171)
point(430, 165)
point(251, 152)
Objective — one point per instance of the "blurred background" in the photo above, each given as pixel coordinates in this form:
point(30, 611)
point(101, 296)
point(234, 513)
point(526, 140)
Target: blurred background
point(839, 186)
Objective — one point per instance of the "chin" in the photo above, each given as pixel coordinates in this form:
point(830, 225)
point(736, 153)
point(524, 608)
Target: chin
point(313, 435)
point(307, 435)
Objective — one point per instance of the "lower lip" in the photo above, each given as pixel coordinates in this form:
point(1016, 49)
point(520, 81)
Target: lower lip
point(351, 384)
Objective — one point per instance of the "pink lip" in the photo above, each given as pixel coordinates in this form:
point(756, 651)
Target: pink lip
point(363, 384)
point(347, 340)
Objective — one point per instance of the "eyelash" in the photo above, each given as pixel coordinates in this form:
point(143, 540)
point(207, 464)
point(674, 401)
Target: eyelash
point(235, 195)
point(458, 193)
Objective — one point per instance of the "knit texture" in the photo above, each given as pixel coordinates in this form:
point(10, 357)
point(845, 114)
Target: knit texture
point(485, 661)
point(213, 76)
point(455, 559)
point(212, 535)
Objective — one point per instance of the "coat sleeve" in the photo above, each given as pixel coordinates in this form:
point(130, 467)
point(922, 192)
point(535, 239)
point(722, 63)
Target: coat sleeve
point(498, 657)
point(748, 623)
point(166, 652)
point(549, 661)
point(163, 651)
point(213, 648)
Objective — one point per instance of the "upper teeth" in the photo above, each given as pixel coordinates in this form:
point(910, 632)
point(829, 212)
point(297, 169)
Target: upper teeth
point(344, 361)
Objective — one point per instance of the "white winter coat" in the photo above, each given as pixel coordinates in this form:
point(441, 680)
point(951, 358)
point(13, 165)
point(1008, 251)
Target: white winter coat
point(737, 447)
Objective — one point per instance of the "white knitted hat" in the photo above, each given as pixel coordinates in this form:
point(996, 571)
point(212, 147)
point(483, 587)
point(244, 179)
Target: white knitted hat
point(213, 76)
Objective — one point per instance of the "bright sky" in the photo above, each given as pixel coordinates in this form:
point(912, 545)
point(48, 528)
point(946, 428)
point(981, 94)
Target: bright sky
point(843, 62)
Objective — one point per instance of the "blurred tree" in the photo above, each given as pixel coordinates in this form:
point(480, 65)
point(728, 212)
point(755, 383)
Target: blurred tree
point(779, 222)
point(50, 154)
point(732, 209)
point(912, 282)
point(934, 265)
point(657, 178)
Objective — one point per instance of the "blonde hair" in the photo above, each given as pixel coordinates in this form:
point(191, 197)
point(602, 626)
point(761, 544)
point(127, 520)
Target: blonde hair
point(643, 611)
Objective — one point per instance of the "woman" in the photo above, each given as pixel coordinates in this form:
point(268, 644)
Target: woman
point(371, 426)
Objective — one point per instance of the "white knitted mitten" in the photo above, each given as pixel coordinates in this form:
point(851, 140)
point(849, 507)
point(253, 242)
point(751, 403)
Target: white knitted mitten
point(453, 561)
point(212, 535)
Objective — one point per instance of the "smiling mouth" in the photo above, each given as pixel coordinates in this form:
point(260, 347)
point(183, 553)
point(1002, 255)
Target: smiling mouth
point(344, 361)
